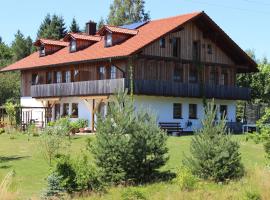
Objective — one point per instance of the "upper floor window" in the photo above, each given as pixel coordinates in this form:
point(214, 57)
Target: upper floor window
point(162, 43)
point(113, 72)
point(42, 50)
point(224, 77)
point(73, 45)
point(192, 111)
point(209, 49)
point(76, 75)
point(213, 76)
point(35, 79)
point(101, 72)
point(178, 74)
point(108, 40)
point(176, 43)
point(58, 77)
point(177, 110)
point(67, 77)
point(193, 74)
point(196, 50)
point(49, 79)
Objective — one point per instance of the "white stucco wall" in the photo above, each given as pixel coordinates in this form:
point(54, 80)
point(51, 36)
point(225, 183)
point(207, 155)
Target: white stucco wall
point(163, 108)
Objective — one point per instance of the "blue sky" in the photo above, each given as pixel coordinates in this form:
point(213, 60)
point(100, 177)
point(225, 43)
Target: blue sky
point(245, 21)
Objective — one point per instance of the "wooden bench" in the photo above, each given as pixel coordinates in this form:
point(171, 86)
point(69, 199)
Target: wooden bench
point(171, 127)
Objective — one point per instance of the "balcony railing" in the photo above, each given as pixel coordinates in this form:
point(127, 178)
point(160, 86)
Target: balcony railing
point(143, 87)
point(170, 88)
point(96, 87)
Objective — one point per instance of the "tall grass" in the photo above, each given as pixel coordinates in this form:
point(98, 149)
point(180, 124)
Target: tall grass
point(5, 187)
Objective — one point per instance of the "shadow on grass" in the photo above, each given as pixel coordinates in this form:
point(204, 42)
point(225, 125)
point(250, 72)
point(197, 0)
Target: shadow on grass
point(11, 158)
point(163, 176)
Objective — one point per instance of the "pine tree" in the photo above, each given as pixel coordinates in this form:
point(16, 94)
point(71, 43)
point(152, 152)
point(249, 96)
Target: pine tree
point(126, 12)
point(101, 23)
point(52, 28)
point(21, 46)
point(74, 27)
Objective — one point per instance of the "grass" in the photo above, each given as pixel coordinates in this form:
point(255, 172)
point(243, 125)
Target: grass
point(31, 170)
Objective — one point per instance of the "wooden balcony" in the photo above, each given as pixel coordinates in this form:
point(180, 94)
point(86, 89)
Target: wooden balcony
point(174, 89)
point(143, 87)
point(96, 87)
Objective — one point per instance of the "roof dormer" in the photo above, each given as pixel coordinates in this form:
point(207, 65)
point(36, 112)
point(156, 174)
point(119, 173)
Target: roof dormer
point(115, 35)
point(79, 41)
point(47, 47)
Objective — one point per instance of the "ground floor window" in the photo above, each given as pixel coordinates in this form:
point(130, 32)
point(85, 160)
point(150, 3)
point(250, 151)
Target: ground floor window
point(74, 113)
point(177, 110)
point(192, 111)
point(223, 110)
point(65, 109)
point(57, 111)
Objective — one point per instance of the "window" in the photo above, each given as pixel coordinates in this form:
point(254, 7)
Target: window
point(57, 111)
point(224, 78)
point(73, 45)
point(213, 77)
point(101, 73)
point(178, 74)
point(108, 40)
point(223, 110)
point(192, 111)
point(49, 78)
point(76, 75)
point(74, 111)
point(196, 50)
point(177, 110)
point(65, 109)
point(35, 79)
point(67, 77)
point(176, 47)
point(58, 77)
point(42, 50)
point(162, 43)
point(209, 49)
point(193, 74)
point(113, 72)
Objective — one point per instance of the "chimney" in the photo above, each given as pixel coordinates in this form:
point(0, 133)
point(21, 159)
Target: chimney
point(91, 28)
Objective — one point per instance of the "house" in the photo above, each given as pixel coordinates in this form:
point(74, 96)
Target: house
point(172, 65)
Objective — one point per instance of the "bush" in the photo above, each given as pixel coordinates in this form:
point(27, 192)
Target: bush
point(129, 146)
point(252, 195)
point(2, 130)
point(185, 179)
point(214, 155)
point(73, 175)
point(133, 194)
point(54, 188)
point(82, 123)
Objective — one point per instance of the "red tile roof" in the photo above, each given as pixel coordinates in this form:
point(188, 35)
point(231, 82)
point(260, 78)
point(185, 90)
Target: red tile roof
point(115, 29)
point(51, 42)
point(82, 36)
point(145, 35)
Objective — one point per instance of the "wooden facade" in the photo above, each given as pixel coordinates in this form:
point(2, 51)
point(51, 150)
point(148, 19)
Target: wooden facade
point(182, 62)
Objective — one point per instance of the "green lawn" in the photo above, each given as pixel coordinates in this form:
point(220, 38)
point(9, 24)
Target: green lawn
point(31, 169)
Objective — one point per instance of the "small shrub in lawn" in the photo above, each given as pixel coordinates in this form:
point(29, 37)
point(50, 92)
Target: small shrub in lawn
point(2, 130)
point(214, 155)
point(54, 188)
point(185, 179)
point(252, 195)
point(129, 145)
point(133, 194)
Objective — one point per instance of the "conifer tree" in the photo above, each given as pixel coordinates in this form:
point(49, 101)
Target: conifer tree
point(101, 23)
point(74, 27)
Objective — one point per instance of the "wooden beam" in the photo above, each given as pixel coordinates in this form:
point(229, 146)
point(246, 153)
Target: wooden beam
point(94, 97)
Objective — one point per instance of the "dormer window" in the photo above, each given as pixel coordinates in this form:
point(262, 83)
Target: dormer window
point(42, 50)
point(108, 40)
point(73, 46)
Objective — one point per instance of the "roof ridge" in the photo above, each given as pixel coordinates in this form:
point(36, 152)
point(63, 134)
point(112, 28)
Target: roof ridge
point(176, 16)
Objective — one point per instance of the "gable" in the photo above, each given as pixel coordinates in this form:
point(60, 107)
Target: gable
point(189, 33)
